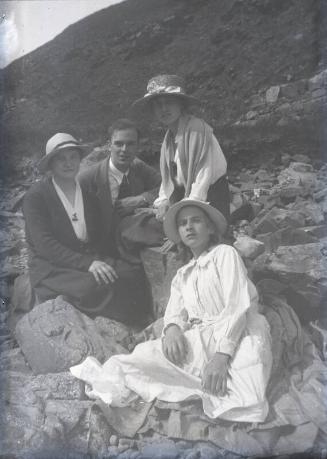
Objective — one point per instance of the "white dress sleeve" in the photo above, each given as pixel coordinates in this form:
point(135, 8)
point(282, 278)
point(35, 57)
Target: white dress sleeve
point(175, 311)
point(238, 294)
point(161, 198)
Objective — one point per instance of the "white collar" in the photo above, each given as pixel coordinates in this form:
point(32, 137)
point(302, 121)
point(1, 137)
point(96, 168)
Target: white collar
point(201, 261)
point(116, 172)
point(78, 205)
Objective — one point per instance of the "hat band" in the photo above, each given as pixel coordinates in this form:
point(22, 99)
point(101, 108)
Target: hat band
point(72, 143)
point(164, 90)
point(67, 142)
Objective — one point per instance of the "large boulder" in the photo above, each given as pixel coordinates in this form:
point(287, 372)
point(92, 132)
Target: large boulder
point(160, 268)
point(278, 218)
point(298, 173)
point(302, 267)
point(54, 336)
point(295, 215)
point(286, 237)
point(248, 247)
point(311, 211)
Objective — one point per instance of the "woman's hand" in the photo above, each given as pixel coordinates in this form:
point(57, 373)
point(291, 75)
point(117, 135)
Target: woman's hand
point(162, 210)
point(174, 345)
point(214, 378)
point(103, 272)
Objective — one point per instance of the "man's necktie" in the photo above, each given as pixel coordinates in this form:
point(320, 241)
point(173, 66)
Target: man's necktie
point(125, 188)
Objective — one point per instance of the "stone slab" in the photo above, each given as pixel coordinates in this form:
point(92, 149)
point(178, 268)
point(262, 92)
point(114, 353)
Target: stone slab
point(301, 267)
point(54, 336)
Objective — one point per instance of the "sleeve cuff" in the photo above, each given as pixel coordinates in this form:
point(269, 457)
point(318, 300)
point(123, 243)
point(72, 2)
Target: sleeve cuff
point(198, 196)
point(226, 346)
point(87, 261)
point(181, 323)
point(159, 201)
point(199, 192)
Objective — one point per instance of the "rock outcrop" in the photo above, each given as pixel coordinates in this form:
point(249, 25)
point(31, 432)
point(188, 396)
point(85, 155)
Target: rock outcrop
point(262, 78)
point(55, 336)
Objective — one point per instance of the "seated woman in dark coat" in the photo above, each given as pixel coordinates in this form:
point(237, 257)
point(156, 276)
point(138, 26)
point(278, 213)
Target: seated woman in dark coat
point(68, 253)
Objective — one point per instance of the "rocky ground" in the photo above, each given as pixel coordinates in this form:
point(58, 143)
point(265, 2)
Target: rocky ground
point(262, 78)
point(45, 412)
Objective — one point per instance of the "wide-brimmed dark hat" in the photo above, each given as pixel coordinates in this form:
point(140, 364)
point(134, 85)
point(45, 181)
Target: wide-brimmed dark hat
point(164, 85)
point(170, 223)
point(59, 142)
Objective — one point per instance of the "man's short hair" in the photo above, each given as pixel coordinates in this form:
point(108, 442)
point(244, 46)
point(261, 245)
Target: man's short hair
point(121, 125)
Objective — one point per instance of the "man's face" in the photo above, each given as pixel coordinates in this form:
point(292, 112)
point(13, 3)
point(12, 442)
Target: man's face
point(124, 145)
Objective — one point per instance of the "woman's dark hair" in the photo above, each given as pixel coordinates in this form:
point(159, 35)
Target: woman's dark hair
point(185, 105)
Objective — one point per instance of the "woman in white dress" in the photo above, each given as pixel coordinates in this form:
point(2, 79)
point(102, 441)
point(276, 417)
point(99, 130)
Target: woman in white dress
point(214, 346)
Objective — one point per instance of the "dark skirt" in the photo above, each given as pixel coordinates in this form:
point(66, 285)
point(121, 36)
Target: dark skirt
point(126, 300)
point(218, 196)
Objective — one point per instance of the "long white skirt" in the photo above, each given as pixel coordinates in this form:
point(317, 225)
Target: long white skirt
point(146, 373)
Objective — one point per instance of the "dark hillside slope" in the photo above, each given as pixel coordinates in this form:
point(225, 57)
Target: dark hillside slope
point(228, 50)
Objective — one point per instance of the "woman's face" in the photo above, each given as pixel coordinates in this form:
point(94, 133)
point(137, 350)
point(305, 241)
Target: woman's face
point(195, 229)
point(167, 110)
point(65, 165)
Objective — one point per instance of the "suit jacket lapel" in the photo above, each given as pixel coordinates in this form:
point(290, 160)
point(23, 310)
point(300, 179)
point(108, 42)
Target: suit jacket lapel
point(105, 194)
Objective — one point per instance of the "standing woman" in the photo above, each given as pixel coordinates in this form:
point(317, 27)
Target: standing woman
point(192, 163)
point(66, 243)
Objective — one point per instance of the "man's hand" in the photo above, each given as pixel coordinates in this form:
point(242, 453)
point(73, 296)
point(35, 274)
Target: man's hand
point(174, 345)
point(126, 206)
point(103, 273)
point(162, 210)
point(214, 378)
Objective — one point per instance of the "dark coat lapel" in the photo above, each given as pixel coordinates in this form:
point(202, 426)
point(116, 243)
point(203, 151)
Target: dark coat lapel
point(63, 220)
point(104, 195)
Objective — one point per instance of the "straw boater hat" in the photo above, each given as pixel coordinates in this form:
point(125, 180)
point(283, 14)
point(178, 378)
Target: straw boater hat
point(170, 224)
point(59, 142)
point(164, 85)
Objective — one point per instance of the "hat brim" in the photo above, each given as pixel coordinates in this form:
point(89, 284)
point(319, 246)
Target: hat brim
point(170, 224)
point(84, 150)
point(143, 102)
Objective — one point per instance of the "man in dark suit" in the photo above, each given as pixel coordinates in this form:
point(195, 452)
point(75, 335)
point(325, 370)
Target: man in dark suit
point(124, 188)
point(123, 185)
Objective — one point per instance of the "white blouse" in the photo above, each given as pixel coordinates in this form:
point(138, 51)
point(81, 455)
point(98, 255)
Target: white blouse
point(75, 212)
point(215, 167)
point(213, 289)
